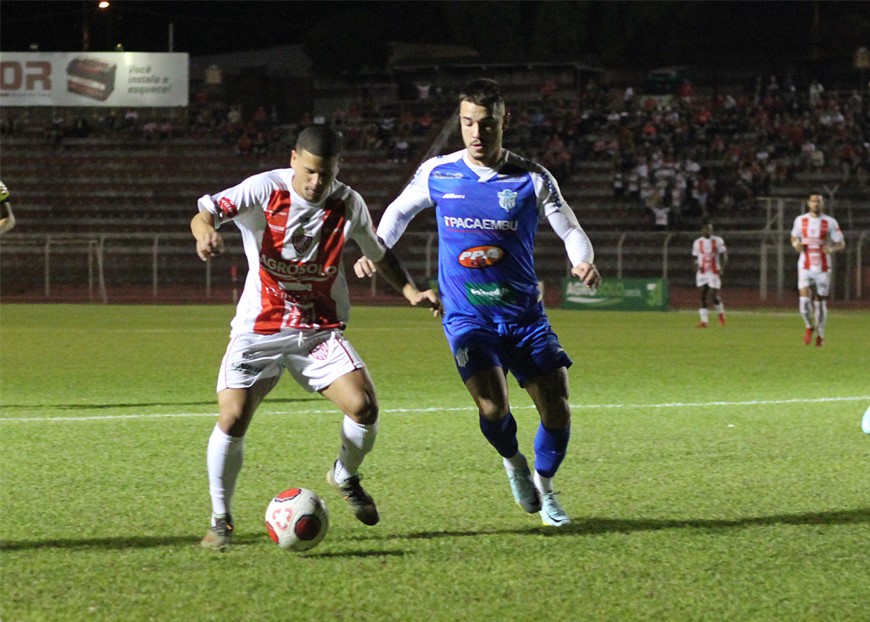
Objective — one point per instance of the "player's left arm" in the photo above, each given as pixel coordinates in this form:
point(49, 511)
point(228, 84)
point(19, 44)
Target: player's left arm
point(577, 244)
point(552, 205)
point(836, 246)
point(838, 240)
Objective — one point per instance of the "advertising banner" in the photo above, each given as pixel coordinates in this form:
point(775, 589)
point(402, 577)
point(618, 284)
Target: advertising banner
point(616, 295)
point(103, 79)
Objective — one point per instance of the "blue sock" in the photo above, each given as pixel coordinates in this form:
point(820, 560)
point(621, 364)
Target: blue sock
point(550, 447)
point(501, 434)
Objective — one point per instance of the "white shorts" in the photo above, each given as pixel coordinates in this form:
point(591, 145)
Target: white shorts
point(714, 281)
point(815, 278)
point(315, 359)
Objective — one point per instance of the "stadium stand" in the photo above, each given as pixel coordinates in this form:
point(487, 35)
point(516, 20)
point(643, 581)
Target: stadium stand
point(700, 153)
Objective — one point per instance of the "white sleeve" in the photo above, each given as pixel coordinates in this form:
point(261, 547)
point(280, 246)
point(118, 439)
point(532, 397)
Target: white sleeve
point(413, 200)
point(577, 243)
point(562, 220)
point(249, 195)
point(363, 230)
point(836, 233)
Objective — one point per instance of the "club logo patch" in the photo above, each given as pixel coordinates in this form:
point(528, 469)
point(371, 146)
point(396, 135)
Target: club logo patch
point(320, 351)
point(507, 200)
point(462, 357)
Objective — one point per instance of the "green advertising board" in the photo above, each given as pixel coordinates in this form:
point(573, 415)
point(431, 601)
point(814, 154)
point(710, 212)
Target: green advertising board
point(616, 295)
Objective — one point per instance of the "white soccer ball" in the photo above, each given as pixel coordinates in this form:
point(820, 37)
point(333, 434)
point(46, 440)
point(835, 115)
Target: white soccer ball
point(297, 519)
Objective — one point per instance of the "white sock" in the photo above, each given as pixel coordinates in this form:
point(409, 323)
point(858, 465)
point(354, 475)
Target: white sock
point(517, 462)
point(821, 317)
point(720, 309)
point(357, 440)
point(806, 309)
point(224, 457)
point(705, 315)
point(543, 484)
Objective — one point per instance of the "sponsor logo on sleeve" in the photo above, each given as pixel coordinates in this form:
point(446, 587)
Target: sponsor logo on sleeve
point(227, 207)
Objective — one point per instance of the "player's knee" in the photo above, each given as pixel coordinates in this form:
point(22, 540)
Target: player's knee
point(364, 409)
point(492, 410)
point(233, 422)
point(557, 419)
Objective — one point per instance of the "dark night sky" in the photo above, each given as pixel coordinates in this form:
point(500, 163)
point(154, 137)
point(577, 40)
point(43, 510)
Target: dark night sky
point(199, 27)
point(614, 32)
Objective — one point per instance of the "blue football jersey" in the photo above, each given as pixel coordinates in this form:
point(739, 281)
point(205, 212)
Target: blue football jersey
point(487, 221)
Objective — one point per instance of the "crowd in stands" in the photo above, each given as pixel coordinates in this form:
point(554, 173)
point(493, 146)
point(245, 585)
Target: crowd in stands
point(697, 153)
point(693, 153)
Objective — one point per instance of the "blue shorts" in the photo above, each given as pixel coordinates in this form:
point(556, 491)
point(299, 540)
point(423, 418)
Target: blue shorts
point(527, 349)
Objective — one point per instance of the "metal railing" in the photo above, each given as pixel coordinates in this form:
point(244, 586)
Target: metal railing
point(154, 263)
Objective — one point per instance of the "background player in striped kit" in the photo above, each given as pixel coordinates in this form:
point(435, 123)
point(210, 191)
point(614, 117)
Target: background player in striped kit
point(488, 202)
point(7, 216)
point(816, 236)
point(292, 312)
point(711, 256)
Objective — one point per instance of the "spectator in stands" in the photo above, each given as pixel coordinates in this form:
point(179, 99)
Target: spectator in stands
point(7, 216)
point(659, 212)
point(245, 144)
point(494, 320)
point(56, 130)
point(291, 318)
point(8, 124)
point(618, 184)
point(628, 99)
point(131, 119)
point(815, 92)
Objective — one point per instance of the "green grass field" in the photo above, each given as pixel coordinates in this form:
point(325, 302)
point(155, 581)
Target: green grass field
point(712, 475)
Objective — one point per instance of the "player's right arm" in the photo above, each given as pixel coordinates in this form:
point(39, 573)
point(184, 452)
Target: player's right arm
point(797, 242)
point(208, 241)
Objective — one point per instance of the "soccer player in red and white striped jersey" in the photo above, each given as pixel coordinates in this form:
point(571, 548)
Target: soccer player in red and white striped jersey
point(711, 256)
point(816, 236)
point(291, 315)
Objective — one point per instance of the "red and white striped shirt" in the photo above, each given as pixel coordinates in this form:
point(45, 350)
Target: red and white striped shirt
point(708, 252)
point(295, 275)
point(815, 233)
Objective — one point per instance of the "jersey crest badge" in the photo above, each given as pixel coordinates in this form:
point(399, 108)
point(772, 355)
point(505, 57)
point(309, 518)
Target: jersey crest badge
point(300, 240)
point(507, 200)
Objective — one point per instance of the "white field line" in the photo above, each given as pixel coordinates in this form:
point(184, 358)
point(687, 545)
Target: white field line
point(666, 405)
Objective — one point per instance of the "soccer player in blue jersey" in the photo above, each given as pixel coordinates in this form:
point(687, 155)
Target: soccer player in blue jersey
point(488, 202)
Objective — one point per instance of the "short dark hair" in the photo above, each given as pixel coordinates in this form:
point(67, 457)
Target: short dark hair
point(320, 140)
point(482, 92)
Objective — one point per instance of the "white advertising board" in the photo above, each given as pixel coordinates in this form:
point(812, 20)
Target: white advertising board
point(105, 79)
